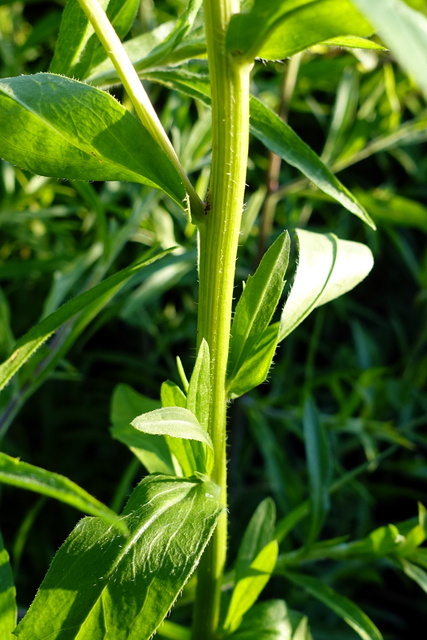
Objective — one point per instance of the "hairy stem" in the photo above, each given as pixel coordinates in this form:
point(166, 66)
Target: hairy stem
point(218, 238)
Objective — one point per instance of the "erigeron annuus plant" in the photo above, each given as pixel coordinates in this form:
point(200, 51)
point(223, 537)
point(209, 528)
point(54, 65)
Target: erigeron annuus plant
point(116, 576)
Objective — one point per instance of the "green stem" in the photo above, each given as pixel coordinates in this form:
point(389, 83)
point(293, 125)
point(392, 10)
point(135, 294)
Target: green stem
point(137, 94)
point(218, 242)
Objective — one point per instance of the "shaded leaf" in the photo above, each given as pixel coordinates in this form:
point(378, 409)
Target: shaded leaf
point(259, 532)
point(280, 28)
point(67, 129)
point(29, 343)
point(103, 584)
point(172, 396)
point(199, 389)
point(415, 573)
point(272, 620)
point(27, 476)
point(327, 268)
point(8, 608)
point(339, 604)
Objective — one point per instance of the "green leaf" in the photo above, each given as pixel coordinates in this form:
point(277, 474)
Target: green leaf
point(27, 476)
point(8, 608)
point(259, 532)
point(179, 424)
point(354, 42)
point(153, 453)
point(277, 136)
point(67, 129)
point(282, 140)
point(327, 268)
point(102, 584)
point(250, 585)
point(150, 49)
point(414, 572)
point(78, 48)
point(404, 30)
point(272, 620)
point(319, 466)
point(280, 28)
point(342, 606)
point(172, 396)
point(31, 341)
point(199, 389)
point(256, 307)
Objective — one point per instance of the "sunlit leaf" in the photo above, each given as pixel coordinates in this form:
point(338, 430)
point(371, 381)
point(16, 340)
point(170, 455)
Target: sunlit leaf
point(404, 30)
point(27, 476)
point(327, 268)
point(67, 129)
point(280, 28)
point(102, 583)
point(8, 608)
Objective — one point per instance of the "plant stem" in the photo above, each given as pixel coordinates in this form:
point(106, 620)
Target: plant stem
point(137, 94)
point(218, 242)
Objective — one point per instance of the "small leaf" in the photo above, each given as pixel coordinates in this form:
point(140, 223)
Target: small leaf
point(78, 48)
point(104, 584)
point(27, 476)
point(319, 466)
point(179, 424)
point(404, 30)
point(199, 389)
point(327, 268)
point(339, 604)
point(272, 620)
point(250, 585)
point(259, 532)
point(257, 304)
point(172, 396)
point(67, 129)
point(31, 341)
point(8, 608)
point(354, 42)
point(280, 28)
point(415, 573)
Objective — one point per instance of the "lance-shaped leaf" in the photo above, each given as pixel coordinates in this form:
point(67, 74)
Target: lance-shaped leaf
point(66, 129)
point(105, 585)
point(275, 134)
point(150, 49)
point(8, 608)
point(34, 338)
point(253, 342)
point(27, 476)
point(404, 30)
point(199, 389)
point(272, 620)
point(327, 268)
point(180, 425)
point(250, 585)
point(280, 28)
point(153, 453)
point(78, 49)
point(339, 604)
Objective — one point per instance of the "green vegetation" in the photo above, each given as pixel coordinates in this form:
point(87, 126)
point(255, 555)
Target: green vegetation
point(259, 469)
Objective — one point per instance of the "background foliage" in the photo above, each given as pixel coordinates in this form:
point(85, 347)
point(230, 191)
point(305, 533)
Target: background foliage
point(362, 358)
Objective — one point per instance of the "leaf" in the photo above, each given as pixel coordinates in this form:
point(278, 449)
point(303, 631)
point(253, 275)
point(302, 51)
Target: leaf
point(172, 395)
point(179, 424)
point(67, 129)
point(404, 30)
point(150, 49)
point(327, 268)
point(280, 28)
point(256, 307)
point(250, 585)
point(27, 476)
point(276, 135)
point(282, 140)
point(414, 572)
point(102, 584)
point(78, 48)
point(153, 453)
point(354, 42)
point(259, 532)
point(199, 389)
point(29, 343)
point(272, 620)
point(342, 606)
point(319, 466)
point(8, 608)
